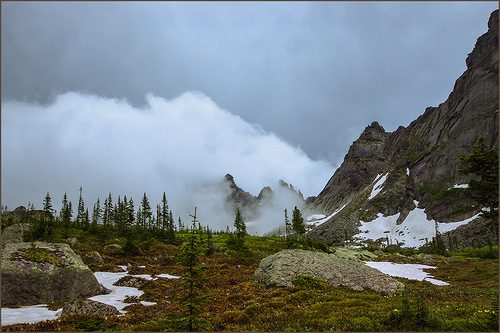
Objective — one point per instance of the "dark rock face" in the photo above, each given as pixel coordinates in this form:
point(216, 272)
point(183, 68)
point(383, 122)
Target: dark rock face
point(282, 268)
point(53, 273)
point(429, 149)
point(85, 306)
point(239, 197)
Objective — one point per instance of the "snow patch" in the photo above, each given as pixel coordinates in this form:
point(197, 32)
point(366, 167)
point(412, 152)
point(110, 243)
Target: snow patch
point(414, 232)
point(459, 186)
point(324, 219)
point(168, 276)
point(407, 171)
point(36, 313)
point(408, 271)
point(28, 314)
point(118, 293)
point(315, 217)
point(379, 185)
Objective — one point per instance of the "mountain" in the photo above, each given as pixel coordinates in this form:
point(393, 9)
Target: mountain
point(252, 206)
point(390, 178)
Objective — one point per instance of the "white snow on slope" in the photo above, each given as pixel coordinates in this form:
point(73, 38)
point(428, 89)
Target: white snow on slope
point(459, 186)
point(408, 271)
point(407, 171)
point(315, 217)
point(413, 232)
point(379, 185)
point(36, 313)
point(313, 222)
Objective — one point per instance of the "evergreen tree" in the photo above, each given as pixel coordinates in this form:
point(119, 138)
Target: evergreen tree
point(130, 212)
point(240, 227)
point(139, 218)
point(193, 280)
point(47, 205)
point(159, 219)
point(298, 225)
point(96, 214)
point(146, 212)
point(86, 219)
point(164, 213)
point(66, 214)
point(287, 229)
point(170, 232)
point(181, 226)
point(80, 211)
point(108, 211)
point(482, 163)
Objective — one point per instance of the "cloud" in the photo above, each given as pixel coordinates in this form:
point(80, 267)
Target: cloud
point(182, 146)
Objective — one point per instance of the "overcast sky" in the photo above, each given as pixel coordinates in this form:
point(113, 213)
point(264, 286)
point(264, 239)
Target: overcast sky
point(310, 75)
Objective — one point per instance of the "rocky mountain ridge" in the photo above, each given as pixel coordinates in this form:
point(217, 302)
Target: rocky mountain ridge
point(417, 165)
point(250, 205)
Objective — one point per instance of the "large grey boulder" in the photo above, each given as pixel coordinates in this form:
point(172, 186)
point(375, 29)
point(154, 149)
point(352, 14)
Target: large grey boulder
point(84, 306)
point(35, 273)
point(282, 268)
point(14, 233)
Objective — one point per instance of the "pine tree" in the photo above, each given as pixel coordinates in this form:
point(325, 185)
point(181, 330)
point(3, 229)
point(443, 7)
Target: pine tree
point(86, 219)
point(159, 219)
point(146, 212)
point(193, 280)
point(482, 163)
point(47, 205)
point(240, 227)
point(81, 210)
point(298, 225)
point(96, 214)
point(170, 233)
point(66, 214)
point(108, 211)
point(130, 212)
point(46, 226)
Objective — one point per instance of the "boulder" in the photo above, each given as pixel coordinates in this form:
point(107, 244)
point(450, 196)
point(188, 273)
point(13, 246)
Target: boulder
point(35, 273)
point(93, 257)
point(130, 281)
point(282, 268)
point(83, 306)
point(15, 233)
point(113, 249)
point(71, 241)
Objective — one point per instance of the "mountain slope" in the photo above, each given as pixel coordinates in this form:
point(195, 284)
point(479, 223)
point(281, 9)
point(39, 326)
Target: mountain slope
point(417, 165)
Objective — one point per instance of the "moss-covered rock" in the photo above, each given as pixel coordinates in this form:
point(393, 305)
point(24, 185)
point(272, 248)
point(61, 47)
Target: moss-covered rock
point(283, 268)
point(35, 273)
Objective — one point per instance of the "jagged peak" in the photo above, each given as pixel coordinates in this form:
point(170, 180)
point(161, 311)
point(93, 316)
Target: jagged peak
point(374, 131)
point(229, 178)
point(266, 191)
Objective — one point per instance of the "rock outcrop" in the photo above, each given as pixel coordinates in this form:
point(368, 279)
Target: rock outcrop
point(35, 273)
point(15, 233)
point(83, 306)
point(282, 268)
point(420, 162)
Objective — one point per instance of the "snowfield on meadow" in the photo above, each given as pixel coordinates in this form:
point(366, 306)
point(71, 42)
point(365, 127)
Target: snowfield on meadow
point(408, 271)
point(36, 313)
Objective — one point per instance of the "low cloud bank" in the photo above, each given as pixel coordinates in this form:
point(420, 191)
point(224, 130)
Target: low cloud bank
point(183, 146)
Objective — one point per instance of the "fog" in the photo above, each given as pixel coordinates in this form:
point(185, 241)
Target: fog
point(183, 146)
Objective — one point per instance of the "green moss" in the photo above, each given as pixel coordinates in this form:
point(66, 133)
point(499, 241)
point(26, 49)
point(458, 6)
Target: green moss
point(35, 254)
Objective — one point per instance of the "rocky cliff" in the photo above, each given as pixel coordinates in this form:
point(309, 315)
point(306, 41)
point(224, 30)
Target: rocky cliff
point(417, 167)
